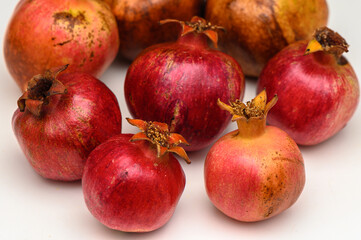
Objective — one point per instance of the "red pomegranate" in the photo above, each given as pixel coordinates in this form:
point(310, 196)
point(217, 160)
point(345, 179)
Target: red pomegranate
point(131, 183)
point(318, 92)
point(179, 83)
point(257, 171)
point(61, 119)
point(42, 34)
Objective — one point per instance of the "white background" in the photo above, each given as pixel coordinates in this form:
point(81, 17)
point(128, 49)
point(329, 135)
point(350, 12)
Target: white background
point(329, 207)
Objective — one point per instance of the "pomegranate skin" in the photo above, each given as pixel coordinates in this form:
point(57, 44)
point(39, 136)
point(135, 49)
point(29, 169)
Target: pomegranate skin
point(42, 34)
point(58, 142)
point(252, 179)
point(317, 95)
point(138, 22)
point(127, 188)
point(179, 84)
point(258, 29)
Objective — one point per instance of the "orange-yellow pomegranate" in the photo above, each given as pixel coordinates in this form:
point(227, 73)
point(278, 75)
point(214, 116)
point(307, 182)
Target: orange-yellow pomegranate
point(257, 171)
point(44, 34)
point(258, 29)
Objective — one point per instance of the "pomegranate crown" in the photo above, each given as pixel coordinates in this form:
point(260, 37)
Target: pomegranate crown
point(325, 39)
point(198, 25)
point(39, 89)
point(256, 108)
point(158, 134)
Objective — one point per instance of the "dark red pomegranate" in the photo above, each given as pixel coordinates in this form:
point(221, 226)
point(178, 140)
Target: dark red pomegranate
point(138, 22)
point(255, 172)
point(60, 120)
point(42, 34)
point(318, 93)
point(179, 83)
point(134, 185)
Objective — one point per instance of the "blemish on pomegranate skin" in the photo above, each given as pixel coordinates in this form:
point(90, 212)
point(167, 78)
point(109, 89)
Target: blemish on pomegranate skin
point(69, 18)
point(296, 161)
point(91, 56)
point(269, 212)
point(105, 25)
point(63, 43)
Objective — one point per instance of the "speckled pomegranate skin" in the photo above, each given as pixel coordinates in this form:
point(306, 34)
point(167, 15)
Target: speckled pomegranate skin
point(58, 142)
point(258, 29)
point(127, 188)
point(317, 96)
point(252, 179)
point(179, 84)
point(44, 34)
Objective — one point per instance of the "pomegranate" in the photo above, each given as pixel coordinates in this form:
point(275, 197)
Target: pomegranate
point(179, 83)
point(318, 93)
point(42, 34)
point(138, 22)
point(257, 30)
point(60, 120)
point(257, 171)
point(131, 183)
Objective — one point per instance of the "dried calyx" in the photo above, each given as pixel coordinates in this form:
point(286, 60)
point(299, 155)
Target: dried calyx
point(198, 25)
point(39, 89)
point(158, 134)
point(256, 108)
point(250, 117)
point(324, 39)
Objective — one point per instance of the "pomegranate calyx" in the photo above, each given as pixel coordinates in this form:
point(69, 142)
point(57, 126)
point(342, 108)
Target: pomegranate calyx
point(158, 134)
point(256, 108)
point(39, 89)
point(198, 25)
point(327, 40)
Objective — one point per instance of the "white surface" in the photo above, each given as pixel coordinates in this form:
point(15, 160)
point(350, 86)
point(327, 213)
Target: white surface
point(329, 207)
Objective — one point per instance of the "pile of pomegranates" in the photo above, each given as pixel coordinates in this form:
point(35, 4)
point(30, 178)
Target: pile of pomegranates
point(61, 119)
point(131, 183)
point(179, 83)
point(68, 122)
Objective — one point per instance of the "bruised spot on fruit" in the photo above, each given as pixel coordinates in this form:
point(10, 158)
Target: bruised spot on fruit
point(178, 112)
point(90, 39)
point(296, 161)
point(70, 18)
point(104, 22)
point(91, 56)
point(269, 212)
point(170, 64)
point(63, 43)
point(273, 193)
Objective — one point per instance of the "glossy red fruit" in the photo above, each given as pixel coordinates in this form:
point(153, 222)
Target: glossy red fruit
point(134, 185)
point(42, 34)
point(179, 83)
point(318, 92)
point(138, 22)
point(60, 120)
point(258, 29)
point(257, 171)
